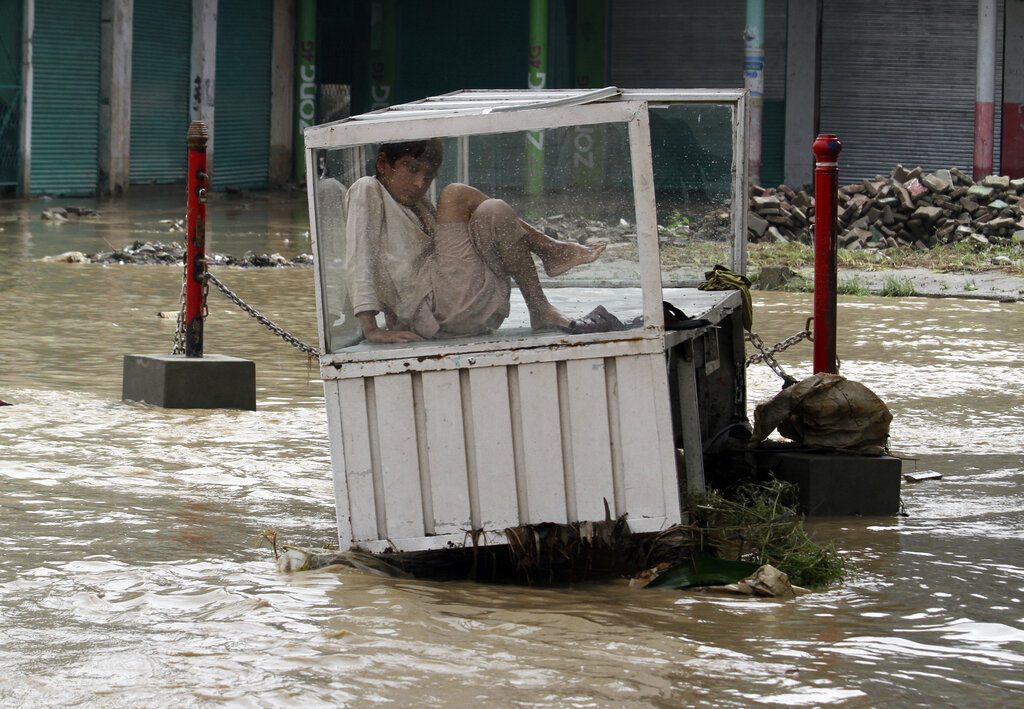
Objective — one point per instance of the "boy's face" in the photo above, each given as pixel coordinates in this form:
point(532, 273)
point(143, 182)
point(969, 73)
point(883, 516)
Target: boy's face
point(407, 180)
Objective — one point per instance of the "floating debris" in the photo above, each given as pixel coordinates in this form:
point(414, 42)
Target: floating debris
point(767, 581)
point(299, 559)
point(60, 214)
point(157, 252)
point(922, 476)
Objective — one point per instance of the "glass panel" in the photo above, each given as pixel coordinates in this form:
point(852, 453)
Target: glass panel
point(482, 238)
point(692, 150)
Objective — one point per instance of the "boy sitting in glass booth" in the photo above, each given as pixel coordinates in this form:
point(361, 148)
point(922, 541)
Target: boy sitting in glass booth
point(444, 271)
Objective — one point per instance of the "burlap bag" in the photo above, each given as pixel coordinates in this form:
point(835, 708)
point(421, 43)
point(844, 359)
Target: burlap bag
point(827, 411)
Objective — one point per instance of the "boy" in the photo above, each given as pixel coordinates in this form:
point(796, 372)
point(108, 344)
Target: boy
point(445, 271)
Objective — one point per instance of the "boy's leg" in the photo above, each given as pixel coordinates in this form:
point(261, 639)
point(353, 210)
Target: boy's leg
point(505, 247)
point(458, 203)
point(559, 256)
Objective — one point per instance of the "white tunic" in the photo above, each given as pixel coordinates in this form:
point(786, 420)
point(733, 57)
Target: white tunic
point(396, 261)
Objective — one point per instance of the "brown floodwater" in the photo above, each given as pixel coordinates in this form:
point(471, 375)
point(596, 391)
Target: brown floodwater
point(130, 571)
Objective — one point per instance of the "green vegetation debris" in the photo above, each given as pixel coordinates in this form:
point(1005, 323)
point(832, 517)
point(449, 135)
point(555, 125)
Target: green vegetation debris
point(703, 571)
point(758, 523)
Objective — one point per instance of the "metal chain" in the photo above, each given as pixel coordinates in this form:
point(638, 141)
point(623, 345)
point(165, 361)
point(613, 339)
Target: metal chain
point(179, 332)
point(767, 357)
point(260, 318)
point(767, 354)
point(775, 349)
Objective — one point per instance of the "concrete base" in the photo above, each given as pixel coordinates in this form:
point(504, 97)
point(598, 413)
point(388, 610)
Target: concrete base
point(179, 382)
point(836, 484)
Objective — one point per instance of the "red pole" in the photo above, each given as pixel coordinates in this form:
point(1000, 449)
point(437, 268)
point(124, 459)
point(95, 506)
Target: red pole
point(195, 243)
point(826, 192)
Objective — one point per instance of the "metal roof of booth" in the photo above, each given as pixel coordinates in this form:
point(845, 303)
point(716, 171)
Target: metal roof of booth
point(484, 101)
point(481, 102)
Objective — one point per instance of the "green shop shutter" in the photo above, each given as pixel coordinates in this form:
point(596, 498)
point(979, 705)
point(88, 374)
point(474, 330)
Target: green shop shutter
point(161, 43)
point(241, 138)
point(65, 96)
point(10, 93)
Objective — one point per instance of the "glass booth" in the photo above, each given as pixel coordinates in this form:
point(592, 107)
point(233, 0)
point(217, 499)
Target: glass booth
point(490, 273)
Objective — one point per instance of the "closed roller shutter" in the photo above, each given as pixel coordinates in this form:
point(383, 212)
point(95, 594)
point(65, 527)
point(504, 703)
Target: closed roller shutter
point(161, 41)
point(699, 44)
point(241, 143)
point(65, 96)
point(10, 93)
point(898, 85)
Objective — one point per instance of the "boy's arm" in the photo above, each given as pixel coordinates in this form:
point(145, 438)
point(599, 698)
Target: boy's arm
point(364, 222)
point(363, 226)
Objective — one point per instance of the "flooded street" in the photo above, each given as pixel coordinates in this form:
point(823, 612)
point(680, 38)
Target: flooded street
point(130, 571)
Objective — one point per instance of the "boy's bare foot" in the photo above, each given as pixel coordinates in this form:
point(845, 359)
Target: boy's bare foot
point(547, 318)
point(568, 255)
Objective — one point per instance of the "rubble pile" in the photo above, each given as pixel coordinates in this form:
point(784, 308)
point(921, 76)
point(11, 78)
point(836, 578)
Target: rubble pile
point(708, 222)
point(581, 230)
point(156, 252)
point(907, 208)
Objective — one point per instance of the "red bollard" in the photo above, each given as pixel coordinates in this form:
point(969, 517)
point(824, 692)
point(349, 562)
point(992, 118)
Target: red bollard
point(195, 235)
point(826, 192)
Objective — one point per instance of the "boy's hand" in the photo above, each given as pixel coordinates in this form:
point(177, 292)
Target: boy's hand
point(372, 333)
point(379, 336)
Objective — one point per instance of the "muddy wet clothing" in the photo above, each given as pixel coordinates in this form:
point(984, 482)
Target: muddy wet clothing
point(433, 277)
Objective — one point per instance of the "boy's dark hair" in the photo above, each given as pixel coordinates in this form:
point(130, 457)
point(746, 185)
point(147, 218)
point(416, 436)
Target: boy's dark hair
point(430, 151)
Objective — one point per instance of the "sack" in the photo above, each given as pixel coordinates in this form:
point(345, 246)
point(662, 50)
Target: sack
point(827, 411)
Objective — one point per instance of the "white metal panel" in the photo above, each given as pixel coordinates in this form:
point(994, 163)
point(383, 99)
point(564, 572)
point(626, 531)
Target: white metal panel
point(318, 273)
point(369, 360)
point(740, 194)
point(573, 434)
point(541, 449)
point(646, 218)
point(332, 402)
point(640, 445)
point(399, 457)
point(355, 433)
point(446, 452)
point(682, 95)
point(494, 470)
point(591, 473)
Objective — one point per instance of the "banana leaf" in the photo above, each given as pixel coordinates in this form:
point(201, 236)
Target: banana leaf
point(704, 571)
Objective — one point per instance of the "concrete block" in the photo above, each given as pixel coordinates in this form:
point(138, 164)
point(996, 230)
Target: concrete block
point(837, 484)
point(179, 382)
